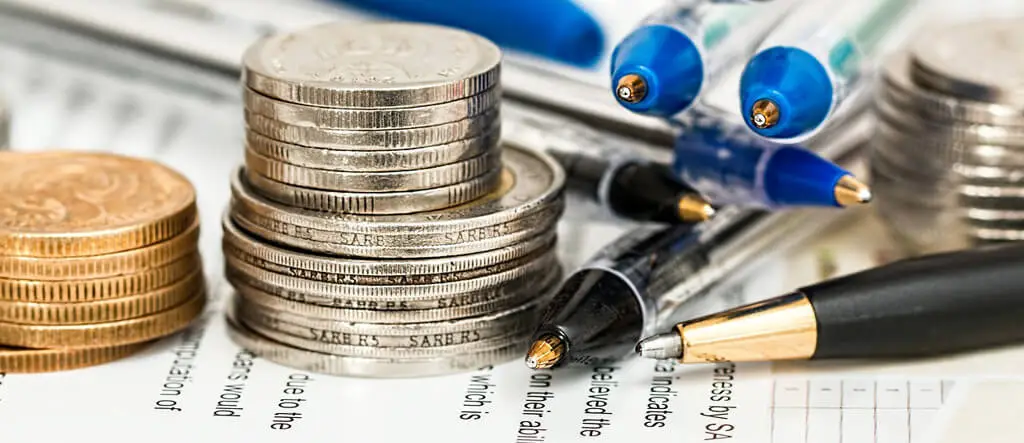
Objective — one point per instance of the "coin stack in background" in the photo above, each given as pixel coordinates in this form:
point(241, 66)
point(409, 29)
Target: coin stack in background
point(378, 228)
point(948, 158)
point(98, 256)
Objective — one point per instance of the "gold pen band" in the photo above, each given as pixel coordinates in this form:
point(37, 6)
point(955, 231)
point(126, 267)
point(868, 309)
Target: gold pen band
point(782, 328)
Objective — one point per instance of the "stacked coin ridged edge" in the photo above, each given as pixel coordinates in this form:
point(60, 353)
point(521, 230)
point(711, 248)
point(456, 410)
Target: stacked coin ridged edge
point(946, 163)
point(118, 268)
point(341, 231)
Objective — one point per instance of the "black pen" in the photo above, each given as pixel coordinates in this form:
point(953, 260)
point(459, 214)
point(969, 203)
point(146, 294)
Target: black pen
point(636, 284)
point(924, 306)
point(608, 170)
point(633, 285)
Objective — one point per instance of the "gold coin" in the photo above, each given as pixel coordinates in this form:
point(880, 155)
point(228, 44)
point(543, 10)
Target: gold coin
point(121, 332)
point(71, 291)
point(102, 311)
point(73, 204)
point(16, 360)
point(99, 266)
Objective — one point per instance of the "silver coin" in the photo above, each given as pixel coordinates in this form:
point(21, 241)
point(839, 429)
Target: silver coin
point(372, 65)
point(890, 181)
point(533, 183)
point(355, 140)
point(377, 160)
point(938, 157)
point(402, 202)
point(380, 246)
point(906, 150)
point(369, 182)
point(989, 174)
point(241, 244)
point(976, 134)
point(492, 324)
point(991, 198)
point(237, 254)
point(302, 342)
point(334, 294)
point(979, 60)
point(993, 192)
point(459, 306)
point(996, 235)
point(899, 89)
point(524, 207)
point(364, 366)
point(399, 118)
point(997, 215)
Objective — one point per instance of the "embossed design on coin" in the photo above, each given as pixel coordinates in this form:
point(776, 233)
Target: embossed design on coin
point(401, 64)
point(88, 203)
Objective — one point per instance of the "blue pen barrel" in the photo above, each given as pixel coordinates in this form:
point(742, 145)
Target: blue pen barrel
point(557, 29)
point(735, 168)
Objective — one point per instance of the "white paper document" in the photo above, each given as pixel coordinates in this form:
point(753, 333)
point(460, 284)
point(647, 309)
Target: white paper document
point(198, 386)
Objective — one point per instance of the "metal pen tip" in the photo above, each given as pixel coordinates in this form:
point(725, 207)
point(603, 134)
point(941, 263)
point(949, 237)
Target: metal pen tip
point(631, 88)
point(849, 191)
point(545, 352)
point(694, 208)
point(764, 114)
point(667, 345)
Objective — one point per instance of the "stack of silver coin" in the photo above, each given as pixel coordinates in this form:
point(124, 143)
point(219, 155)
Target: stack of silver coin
point(379, 227)
point(948, 158)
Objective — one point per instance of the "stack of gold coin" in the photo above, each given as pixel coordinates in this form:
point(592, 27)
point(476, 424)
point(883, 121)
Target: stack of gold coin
point(378, 227)
point(98, 257)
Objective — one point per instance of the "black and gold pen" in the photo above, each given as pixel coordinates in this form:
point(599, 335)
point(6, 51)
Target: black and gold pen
point(609, 170)
point(932, 305)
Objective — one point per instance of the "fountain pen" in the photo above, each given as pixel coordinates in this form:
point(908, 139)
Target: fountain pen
point(931, 305)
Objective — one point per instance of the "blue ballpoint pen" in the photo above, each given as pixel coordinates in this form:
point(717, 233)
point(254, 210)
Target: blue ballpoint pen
point(662, 67)
point(730, 166)
point(556, 29)
point(805, 69)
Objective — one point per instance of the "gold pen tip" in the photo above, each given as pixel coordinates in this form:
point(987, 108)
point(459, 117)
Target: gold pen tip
point(764, 114)
point(694, 208)
point(545, 352)
point(631, 88)
point(849, 191)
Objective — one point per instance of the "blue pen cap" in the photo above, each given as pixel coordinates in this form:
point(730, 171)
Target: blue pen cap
point(796, 82)
point(670, 64)
point(556, 29)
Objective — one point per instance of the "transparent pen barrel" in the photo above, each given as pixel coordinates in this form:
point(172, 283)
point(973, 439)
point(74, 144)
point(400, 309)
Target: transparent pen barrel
point(841, 34)
point(724, 33)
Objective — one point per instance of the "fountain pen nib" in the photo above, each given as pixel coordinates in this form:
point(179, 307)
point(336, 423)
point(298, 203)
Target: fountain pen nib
point(667, 345)
point(849, 191)
point(545, 352)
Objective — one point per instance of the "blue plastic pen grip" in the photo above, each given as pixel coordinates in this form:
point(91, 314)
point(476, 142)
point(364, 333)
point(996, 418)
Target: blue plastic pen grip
point(556, 29)
point(733, 168)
